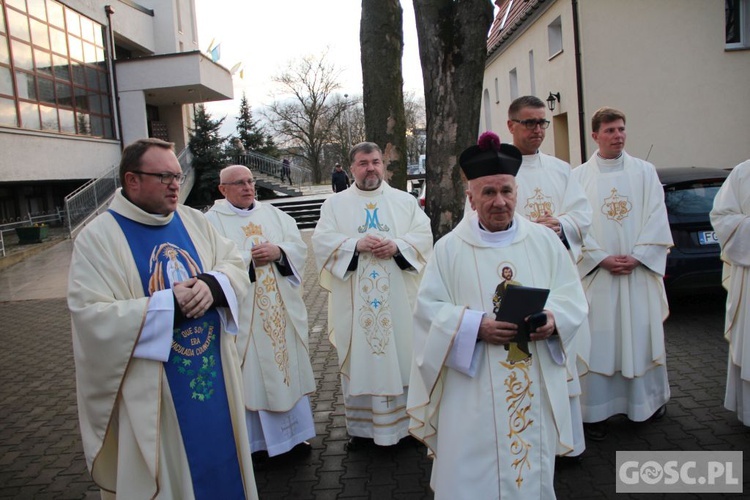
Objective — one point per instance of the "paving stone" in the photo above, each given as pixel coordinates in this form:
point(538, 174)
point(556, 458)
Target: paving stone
point(41, 454)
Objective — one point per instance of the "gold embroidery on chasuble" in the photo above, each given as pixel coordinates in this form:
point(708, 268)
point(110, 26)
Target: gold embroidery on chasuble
point(538, 205)
point(375, 312)
point(519, 398)
point(269, 302)
point(616, 207)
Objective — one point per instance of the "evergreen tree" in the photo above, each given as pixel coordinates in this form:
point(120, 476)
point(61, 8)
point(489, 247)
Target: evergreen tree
point(252, 134)
point(209, 157)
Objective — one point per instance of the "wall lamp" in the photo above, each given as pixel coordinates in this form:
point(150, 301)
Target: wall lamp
point(552, 99)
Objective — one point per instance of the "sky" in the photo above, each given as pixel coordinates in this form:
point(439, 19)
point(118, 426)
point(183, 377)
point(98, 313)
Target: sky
point(265, 35)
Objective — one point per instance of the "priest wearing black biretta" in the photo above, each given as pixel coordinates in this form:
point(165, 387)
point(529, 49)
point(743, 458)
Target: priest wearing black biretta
point(490, 157)
point(469, 371)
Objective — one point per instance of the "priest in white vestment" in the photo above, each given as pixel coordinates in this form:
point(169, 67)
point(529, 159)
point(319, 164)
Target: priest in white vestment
point(548, 195)
point(273, 340)
point(371, 245)
point(731, 220)
point(493, 415)
point(157, 372)
point(622, 268)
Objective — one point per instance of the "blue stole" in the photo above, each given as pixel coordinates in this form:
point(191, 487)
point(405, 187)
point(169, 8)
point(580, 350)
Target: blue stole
point(165, 255)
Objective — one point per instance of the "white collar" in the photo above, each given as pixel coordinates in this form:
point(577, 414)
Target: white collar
point(497, 239)
point(244, 212)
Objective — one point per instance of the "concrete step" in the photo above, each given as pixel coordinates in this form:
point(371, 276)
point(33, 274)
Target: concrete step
point(305, 210)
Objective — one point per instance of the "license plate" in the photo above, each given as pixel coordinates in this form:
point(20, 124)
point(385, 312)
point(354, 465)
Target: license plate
point(707, 238)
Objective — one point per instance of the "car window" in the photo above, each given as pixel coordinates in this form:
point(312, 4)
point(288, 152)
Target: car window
point(691, 199)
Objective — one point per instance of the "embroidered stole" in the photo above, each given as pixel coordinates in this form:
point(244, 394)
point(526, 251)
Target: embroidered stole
point(165, 255)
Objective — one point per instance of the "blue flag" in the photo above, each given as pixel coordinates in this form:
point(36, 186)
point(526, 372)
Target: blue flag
point(216, 53)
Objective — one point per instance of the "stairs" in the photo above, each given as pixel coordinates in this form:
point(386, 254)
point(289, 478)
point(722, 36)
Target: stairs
point(305, 210)
point(270, 182)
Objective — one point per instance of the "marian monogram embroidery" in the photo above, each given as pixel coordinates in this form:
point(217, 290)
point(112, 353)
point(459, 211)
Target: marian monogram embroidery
point(519, 399)
point(538, 205)
point(616, 207)
point(375, 313)
point(372, 222)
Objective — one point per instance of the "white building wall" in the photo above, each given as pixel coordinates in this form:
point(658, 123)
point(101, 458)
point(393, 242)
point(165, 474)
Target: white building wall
point(173, 116)
point(41, 157)
point(665, 66)
point(133, 114)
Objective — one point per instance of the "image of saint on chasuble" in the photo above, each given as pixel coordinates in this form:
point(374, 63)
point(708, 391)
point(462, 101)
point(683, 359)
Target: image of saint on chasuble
point(495, 426)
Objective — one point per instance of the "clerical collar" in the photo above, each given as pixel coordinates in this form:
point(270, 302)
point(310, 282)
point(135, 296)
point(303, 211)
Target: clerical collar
point(242, 211)
point(611, 163)
point(498, 239)
point(532, 159)
point(609, 159)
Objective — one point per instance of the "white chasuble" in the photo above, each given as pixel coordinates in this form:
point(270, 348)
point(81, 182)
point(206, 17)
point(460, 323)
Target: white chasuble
point(545, 186)
point(730, 218)
point(494, 434)
point(627, 312)
point(130, 432)
point(370, 307)
point(273, 340)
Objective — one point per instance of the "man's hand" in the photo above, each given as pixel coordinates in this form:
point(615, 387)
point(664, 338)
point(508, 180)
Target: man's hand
point(496, 332)
point(551, 222)
point(193, 296)
point(265, 253)
point(620, 265)
point(546, 330)
point(382, 248)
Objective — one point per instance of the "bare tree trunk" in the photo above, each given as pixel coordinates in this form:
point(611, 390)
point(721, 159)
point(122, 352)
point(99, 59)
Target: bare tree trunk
point(453, 49)
point(382, 45)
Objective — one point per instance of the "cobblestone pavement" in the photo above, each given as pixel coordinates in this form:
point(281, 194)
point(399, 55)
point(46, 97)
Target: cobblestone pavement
point(41, 455)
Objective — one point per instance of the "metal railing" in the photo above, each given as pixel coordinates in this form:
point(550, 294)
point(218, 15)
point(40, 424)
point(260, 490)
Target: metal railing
point(54, 218)
point(268, 165)
point(90, 200)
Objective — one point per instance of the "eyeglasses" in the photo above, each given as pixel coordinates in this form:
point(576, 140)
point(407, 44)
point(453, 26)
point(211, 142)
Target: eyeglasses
point(531, 124)
point(165, 178)
point(249, 182)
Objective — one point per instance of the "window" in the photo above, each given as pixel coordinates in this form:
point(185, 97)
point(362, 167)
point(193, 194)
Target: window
point(554, 36)
point(56, 79)
point(497, 92)
point(737, 23)
point(487, 110)
point(513, 77)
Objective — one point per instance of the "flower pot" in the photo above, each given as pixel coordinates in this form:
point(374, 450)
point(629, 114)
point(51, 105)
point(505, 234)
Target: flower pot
point(31, 234)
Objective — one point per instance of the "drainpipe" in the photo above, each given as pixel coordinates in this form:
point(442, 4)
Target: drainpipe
point(109, 10)
point(579, 81)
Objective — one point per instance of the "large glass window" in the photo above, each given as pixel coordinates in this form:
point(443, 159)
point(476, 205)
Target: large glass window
point(53, 71)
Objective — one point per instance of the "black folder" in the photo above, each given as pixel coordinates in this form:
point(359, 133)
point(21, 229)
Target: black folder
point(518, 303)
